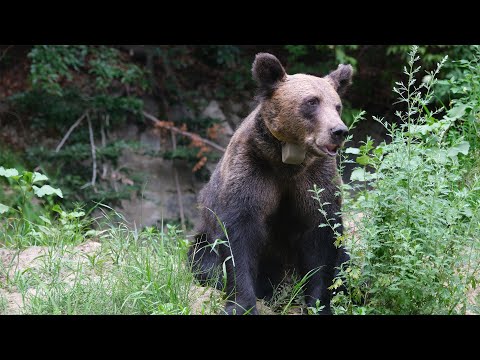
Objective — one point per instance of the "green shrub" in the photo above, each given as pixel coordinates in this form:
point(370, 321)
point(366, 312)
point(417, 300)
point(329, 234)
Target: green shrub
point(415, 240)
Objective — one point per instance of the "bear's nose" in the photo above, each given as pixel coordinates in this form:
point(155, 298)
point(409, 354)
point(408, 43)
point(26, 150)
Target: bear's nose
point(340, 132)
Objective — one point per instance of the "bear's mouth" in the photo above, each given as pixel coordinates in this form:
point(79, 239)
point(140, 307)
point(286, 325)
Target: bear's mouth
point(330, 149)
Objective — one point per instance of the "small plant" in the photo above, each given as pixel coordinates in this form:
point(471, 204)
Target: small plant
point(31, 217)
point(24, 188)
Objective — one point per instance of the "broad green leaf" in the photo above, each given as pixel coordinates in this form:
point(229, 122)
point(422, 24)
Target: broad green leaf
point(363, 160)
point(457, 111)
point(8, 172)
point(38, 177)
point(3, 208)
point(352, 150)
point(47, 190)
point(463, 148)
point(361, 175)
point(438, 155)
point(358, 175)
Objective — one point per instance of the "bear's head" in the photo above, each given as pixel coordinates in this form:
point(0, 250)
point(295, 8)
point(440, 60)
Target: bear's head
point(302, 110)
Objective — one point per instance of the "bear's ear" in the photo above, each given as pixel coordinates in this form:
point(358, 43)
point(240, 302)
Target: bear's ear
point(267, 71)
point(341, 78)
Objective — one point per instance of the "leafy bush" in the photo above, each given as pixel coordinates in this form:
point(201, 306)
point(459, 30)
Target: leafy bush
point(414, 220)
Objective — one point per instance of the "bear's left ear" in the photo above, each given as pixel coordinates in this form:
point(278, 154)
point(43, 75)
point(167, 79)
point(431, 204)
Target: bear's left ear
point(341, 78)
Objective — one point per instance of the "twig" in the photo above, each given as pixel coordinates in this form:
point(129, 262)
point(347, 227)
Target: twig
point(70, 131)
point(94, 155)
point(181, 132)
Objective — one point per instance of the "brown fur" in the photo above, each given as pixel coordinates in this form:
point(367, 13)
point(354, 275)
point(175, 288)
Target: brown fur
point(271, 219)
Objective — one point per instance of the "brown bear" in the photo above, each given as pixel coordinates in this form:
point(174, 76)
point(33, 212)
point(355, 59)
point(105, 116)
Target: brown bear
point(258, 218)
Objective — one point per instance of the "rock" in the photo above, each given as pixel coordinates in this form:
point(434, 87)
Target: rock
point(150, 139)
point(129, 132)
point(213, 111)
point(158, 199)
point(236, 108)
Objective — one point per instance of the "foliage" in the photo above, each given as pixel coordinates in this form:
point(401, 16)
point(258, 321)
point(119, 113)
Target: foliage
point(93, 84)
point(415, 243)
point(29, 211)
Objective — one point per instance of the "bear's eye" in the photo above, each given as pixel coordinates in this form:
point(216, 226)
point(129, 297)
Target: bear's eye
point(338, 108)
point(313, 102)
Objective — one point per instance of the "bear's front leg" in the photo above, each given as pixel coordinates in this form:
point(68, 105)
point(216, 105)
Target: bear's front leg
point(247, 238)
point(318, 256)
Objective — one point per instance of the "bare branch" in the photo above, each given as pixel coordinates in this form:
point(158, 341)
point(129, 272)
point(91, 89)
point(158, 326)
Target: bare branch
point(158, 123)
point(75, 124)
point(94, 151)
point(104, 144)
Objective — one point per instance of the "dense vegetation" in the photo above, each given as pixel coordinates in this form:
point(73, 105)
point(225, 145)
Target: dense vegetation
point(411, 199)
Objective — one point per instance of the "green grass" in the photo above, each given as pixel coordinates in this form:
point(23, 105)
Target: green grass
point(116, 270)
point(127, 272)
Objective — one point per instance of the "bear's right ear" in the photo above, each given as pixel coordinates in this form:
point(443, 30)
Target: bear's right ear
point(267, 71)
point(341, 78)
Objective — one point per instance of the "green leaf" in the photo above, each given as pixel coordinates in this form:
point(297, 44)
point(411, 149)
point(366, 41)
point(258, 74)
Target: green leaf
point(27, 176)
point(352, 150)
point(8, 172)
point(38, 177)
point(363, 160)
point(57, 209)
point(463, 148)
point(457, 111)
point(47, 190)
point(3, 208)
point(45, 219)
point(361, 175)
point(75, 214)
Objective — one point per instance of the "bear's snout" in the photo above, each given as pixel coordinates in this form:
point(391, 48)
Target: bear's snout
point(339, 133)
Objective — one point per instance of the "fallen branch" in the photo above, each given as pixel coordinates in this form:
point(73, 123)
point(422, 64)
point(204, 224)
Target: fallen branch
point(75, 124)
point(160, 124)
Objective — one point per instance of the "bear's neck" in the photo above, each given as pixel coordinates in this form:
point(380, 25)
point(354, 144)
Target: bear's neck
point(269, 143)
point(269, 148)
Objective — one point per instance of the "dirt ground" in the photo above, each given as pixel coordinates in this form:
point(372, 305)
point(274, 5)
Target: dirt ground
point(31, 257)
